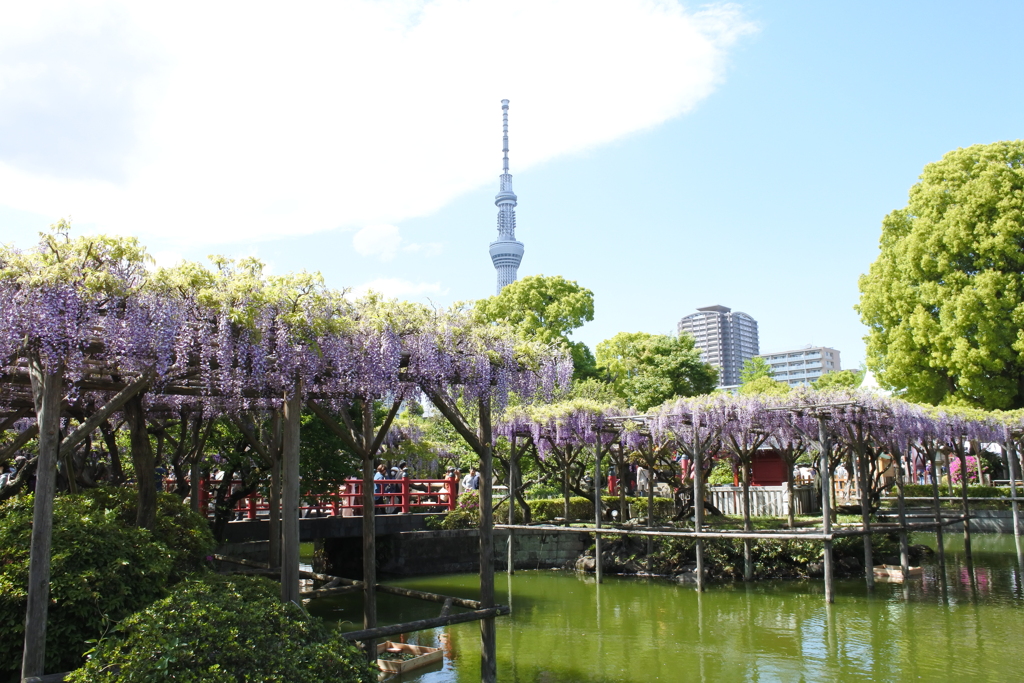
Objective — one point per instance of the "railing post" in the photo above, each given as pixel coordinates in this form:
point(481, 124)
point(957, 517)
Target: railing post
point(453, 488)
point(251, 507)
point(404, 492)
point(334, 503)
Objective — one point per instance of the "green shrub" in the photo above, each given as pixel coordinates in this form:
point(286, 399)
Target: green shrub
point(185, 532)
point(723, 557)
point(101, 571)
point(103, 568)
point(582, 509)
point(222, 629)
point(973, 491)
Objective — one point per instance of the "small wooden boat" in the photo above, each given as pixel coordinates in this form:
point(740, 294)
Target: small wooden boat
point(894, 572)
point(395, 657)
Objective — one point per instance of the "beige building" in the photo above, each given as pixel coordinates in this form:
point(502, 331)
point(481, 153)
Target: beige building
point(802, 366)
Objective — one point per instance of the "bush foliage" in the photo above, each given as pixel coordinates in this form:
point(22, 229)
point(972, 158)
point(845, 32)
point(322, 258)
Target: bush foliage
point(225, 629)
point(102, 568)
point(466, 515)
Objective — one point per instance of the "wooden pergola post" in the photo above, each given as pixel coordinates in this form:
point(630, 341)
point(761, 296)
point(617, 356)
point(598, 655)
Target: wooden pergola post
point(940, 545)
point(597, 506)
point(290, 496)
point(488, 635)
point(1010, 453)
point(698, 499)
point(902, 507)
point(369, 531)
point(274, 499)
point(863, 453)
point(824, 465)
point(47, 388)
point(513, 474)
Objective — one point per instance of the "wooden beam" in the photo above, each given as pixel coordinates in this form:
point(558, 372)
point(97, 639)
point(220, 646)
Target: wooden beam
point(372, 634)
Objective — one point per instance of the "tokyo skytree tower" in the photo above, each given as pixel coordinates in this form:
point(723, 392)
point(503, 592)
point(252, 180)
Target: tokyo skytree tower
point(506, 251)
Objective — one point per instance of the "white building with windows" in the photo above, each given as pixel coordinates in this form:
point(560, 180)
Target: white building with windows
point(803, 366)
point(726, 339)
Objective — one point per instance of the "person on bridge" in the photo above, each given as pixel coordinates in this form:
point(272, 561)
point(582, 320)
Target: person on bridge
point(378, 487)
point(471, 482)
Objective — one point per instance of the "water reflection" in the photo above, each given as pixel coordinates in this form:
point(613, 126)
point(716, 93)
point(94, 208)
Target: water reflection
point(565, 628)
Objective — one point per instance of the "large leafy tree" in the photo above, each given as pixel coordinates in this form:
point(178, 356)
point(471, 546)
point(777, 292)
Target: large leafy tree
point(945, 298)
point(649, 369)
point(757, 377)
point(545, 309)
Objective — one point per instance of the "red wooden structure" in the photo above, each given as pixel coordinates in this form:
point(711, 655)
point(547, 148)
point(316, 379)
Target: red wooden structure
point(398, 495)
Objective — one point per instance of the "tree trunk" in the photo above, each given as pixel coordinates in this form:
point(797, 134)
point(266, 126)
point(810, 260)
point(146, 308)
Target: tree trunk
point(143, 461)
point(117, 471)
point(47, 387)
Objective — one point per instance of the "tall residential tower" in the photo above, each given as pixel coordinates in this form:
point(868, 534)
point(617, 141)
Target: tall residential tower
point(726, 339)
point(506, 251)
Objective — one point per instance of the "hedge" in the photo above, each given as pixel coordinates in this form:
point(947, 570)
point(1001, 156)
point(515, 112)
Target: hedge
point(102, 568)
point(217, 629)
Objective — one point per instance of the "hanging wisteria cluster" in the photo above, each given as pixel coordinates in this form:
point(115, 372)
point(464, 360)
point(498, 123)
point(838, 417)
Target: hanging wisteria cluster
point(233, 340)
point(726, 426)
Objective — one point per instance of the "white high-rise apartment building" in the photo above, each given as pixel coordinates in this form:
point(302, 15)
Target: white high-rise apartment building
point(803, 366)
point(726, 339)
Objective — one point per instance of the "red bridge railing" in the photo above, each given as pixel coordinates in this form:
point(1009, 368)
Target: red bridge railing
point(392, 496)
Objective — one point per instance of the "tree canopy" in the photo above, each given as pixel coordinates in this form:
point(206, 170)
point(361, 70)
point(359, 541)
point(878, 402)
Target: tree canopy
point(546, 309)
point(842, 379)
point(944, 301)
point(648, 369)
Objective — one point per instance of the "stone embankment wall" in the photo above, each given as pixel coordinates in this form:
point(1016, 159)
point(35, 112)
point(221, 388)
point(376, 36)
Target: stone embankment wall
point(439, 552)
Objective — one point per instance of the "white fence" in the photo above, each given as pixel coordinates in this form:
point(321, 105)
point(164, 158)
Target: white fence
point(765, 501)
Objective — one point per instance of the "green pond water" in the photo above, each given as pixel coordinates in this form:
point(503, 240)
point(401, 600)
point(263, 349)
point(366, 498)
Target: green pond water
point(565, 628)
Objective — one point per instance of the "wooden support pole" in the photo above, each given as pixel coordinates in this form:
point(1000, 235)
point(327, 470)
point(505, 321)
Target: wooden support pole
point(291, 412)
point(1010, 453)
point(597, 507)
point(47, 387)
point(274, 499)
point(961, 456)
point(513, 476)
point(937, 506)
point(748, 555)
point(904, 537)
point(825, 470)
point(863, 466)
point(698, 501)
point(488, 635)
point(369, 530)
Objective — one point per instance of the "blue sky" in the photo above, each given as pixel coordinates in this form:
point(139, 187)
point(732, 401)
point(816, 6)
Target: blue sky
point(666, 156)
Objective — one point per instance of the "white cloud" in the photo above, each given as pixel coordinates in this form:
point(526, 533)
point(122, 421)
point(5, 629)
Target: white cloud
point(226, 122)
point(384, 242)
point(399, 289)
point(377, 240)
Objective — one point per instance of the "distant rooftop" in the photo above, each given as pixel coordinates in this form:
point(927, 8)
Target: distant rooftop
point(716, 308)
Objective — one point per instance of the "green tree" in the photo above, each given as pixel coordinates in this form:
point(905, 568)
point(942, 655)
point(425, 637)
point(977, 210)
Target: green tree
point(545, 309)
point(757, 377)
point(649, 369)
point(764, 384)
point(754, 368)
point(944, 301)
point(843, 379)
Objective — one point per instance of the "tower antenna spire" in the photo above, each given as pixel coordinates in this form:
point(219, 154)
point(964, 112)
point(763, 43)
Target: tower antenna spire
point(506, 251)
point(504, 126)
